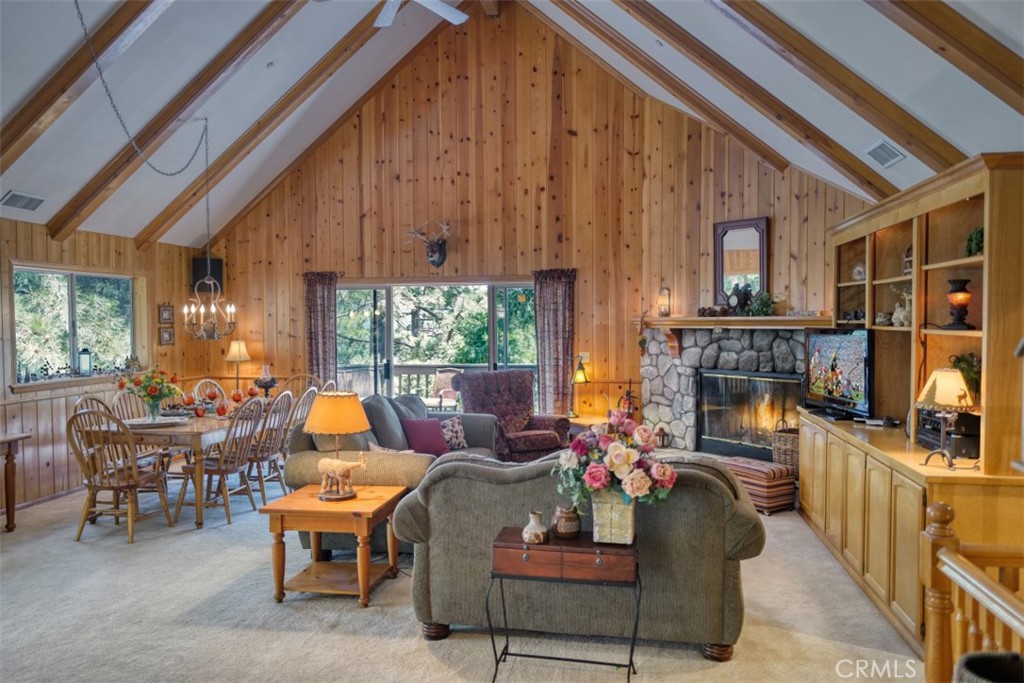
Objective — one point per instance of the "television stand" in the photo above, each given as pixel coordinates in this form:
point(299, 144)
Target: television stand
point(830, 415)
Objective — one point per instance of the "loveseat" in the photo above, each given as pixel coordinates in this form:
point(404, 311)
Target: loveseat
point(690, 549)
point(382, 468)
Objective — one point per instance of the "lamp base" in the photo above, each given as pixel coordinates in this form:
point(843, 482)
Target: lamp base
point(955, 325)
point(334, 496)
point(572, 414)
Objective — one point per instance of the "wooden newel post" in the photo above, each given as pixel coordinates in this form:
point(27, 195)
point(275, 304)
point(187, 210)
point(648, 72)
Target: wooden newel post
point(938, 605)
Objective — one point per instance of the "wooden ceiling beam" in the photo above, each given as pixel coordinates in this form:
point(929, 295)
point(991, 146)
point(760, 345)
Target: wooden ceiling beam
point(844, 84)
point(750, 91)
point(490, 7)
point(956, 39)
point(65, 85)
point(244, 145)
point(666, 79)
point(172, 117)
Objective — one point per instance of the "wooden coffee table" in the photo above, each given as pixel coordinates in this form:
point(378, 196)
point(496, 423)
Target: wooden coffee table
point(303, 511)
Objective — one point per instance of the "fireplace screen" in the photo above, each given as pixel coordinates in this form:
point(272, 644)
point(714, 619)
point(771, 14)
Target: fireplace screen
point(739, 410)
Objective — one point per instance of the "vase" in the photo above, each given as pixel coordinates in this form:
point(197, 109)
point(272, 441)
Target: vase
point(614, 520)
point(153, 408)
point(535, 531)
point(566, 523)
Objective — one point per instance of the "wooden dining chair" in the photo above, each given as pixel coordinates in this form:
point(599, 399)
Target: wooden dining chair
point(329, 385)
point(204, 387)
point(105, 449)
point(299, 383)
point(91, 402)
point(269, 444)
point(231, 460)
point(126, 407)
point(300, 411)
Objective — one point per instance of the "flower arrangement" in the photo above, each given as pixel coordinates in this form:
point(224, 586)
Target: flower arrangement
point(617, 456)
point(152, 386)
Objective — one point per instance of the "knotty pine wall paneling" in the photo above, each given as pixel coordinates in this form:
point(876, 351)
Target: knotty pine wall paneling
point(540, 159)
point(46, 467)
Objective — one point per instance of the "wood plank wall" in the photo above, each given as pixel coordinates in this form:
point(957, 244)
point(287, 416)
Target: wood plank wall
point(540, 159)
point(46, 467)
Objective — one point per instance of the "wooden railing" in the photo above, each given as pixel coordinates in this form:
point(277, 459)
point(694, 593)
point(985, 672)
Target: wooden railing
point(966, 608)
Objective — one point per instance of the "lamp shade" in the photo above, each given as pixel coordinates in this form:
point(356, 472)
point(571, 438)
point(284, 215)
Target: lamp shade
point(945, 390)
point(237, 352)
point(579, 375)
point(336, 412)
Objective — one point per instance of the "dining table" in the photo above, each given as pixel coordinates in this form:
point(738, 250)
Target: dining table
point(199, 434)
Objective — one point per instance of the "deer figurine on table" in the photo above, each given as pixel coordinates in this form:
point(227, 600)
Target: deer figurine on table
point(437, 246)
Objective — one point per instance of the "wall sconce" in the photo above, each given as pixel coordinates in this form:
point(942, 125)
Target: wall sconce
point(664, 301)
point(959, 299)
point(85, 362)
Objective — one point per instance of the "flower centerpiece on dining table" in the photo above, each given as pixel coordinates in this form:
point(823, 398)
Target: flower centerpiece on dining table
point(612, 466)
point(153, 386)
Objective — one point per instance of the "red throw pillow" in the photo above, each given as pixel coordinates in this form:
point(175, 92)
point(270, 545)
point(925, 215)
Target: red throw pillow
point(425, 436)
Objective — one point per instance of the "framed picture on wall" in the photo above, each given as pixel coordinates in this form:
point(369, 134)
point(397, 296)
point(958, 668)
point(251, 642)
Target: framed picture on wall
point(165, 314)
point(166, 336)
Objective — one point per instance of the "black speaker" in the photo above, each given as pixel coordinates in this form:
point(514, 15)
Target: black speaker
point(199, 271)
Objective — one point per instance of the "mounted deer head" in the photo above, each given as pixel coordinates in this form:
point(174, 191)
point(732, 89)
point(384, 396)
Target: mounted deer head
point(437, 246)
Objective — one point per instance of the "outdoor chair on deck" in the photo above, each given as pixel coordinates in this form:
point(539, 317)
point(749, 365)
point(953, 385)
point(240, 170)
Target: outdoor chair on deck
point(508, 395)
point(444, 396)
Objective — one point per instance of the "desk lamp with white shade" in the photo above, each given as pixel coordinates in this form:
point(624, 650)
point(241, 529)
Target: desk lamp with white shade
point(237, 354)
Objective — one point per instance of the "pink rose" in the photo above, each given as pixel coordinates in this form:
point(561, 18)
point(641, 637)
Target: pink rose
point(596, 477)
point(664, 476)
point(604, 441)
point(643, 434)
point(636, 484)
point(629, 426)
point(647, 448)
point(579, 446)
point(616, 417)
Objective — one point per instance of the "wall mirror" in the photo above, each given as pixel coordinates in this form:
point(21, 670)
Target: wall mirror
point(741, 256)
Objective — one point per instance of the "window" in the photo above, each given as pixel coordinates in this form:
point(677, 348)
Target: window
point(56, 314)
point(394, 339)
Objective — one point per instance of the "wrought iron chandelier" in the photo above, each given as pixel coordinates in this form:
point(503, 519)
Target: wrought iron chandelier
point(207, 315)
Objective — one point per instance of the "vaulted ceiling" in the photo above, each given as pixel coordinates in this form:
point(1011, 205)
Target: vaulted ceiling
point(809, 83)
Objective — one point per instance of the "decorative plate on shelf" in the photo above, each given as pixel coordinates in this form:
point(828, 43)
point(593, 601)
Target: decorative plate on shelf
point(858, 273)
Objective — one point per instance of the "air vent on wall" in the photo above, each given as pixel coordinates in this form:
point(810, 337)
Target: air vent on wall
point(885, 154)
point(20, 200)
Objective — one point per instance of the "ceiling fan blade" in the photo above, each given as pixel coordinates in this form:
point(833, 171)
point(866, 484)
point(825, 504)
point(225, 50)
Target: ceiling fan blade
point(387, 13)
point(445, 10)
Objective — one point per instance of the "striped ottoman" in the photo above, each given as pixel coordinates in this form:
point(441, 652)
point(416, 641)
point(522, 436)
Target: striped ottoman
point(771, 485)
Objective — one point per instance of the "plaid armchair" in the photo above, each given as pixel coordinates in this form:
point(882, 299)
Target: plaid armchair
point(508, 395)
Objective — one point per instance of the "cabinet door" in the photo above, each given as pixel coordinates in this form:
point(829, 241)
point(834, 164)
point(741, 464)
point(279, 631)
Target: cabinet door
point(907, 524)
point(877, 515)
point(816, 509)
point(835, 464)
point(807, 435)
point(853, 511)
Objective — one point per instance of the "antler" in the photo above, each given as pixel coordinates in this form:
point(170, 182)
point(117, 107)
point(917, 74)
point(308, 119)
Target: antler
point(446, 229)
point(418, 233)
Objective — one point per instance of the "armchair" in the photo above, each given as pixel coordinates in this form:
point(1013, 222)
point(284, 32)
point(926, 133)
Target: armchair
point(508, 395)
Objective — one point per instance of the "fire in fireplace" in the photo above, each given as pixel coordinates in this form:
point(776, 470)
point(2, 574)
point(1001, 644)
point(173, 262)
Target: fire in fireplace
point(739, 410)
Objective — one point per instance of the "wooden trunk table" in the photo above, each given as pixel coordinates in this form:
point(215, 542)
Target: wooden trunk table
point(304, 511)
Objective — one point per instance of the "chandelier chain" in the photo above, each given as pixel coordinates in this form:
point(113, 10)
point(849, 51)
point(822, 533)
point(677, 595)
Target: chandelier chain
point(120, 118)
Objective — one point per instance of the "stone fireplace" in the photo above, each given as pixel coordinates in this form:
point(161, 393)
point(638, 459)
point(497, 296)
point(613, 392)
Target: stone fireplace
point(671, 390)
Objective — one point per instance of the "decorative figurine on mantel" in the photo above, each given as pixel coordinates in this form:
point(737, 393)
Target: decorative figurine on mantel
point(336, 477)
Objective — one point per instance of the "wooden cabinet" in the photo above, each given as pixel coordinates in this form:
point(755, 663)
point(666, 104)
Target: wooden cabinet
point(905, 250)
point(877, 522)
point(854, 520)
point(812, 472)
point(908, 506)
point(835, 496)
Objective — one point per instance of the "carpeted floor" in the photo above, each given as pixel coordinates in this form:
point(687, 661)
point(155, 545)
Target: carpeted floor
point(188, 605)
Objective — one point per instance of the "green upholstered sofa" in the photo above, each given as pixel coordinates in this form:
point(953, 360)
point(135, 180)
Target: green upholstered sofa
point(382, 468)
point(690, 548)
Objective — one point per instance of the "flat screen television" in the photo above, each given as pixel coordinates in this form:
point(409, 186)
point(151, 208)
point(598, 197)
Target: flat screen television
point(838, 376)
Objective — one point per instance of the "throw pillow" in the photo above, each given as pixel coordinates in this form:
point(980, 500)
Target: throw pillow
point(384, 422)
point(454, 433)
point(374, 448)
point(424, 436)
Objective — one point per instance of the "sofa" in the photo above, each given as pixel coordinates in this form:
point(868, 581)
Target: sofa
point(690, 550)
point(383, 468)
point(508, 394)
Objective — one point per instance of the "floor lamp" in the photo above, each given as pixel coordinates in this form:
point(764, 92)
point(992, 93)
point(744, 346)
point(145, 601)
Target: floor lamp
point(579, 376)
point(237, 355)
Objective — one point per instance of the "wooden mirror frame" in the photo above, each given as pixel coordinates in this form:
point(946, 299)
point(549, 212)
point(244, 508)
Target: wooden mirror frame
point(724, 228)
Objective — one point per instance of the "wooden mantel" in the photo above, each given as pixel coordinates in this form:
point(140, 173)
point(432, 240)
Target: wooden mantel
point(673, 326)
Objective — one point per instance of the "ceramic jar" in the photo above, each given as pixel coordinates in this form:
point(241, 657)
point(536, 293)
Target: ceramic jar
point(566, 523)
point(535, 531)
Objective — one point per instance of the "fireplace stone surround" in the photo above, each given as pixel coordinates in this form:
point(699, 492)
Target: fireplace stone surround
point(670, 390)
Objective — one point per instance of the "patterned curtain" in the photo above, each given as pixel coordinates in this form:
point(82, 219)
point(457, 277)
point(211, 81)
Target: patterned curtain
point(321, 325)
point(555, 303)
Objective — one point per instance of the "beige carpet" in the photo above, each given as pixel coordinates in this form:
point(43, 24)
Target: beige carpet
point(188, 605)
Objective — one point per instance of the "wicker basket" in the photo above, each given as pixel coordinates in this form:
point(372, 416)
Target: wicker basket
point(786, 446)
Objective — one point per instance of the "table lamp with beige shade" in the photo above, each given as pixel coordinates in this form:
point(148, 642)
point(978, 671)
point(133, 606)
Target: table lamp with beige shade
point(237, 354)
point(946, 392)
point(338, 413)
point(579, 376)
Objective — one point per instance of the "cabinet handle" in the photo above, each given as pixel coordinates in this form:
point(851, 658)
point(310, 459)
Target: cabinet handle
point(600, 562)
point(526, 557)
